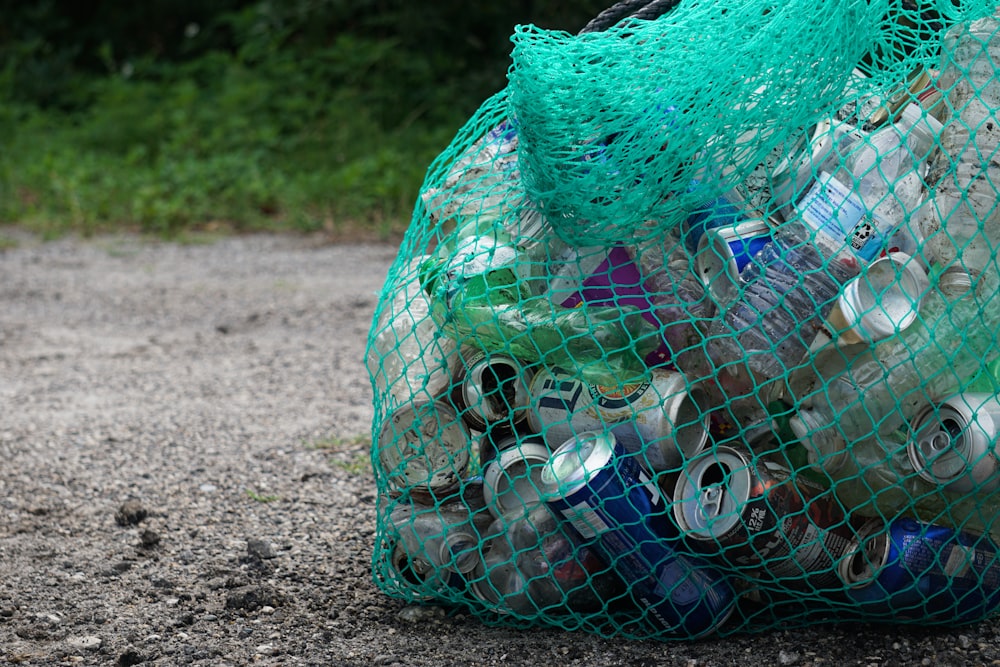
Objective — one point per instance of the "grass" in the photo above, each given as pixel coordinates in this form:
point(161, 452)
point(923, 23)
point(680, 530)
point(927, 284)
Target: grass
point(350, 454)
point(172, 156)
point(261, 498)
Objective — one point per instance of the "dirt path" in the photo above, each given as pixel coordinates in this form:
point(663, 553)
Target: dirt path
point(183, 453)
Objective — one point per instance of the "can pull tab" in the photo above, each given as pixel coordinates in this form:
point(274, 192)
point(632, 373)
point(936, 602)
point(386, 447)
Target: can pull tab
point(710, 501)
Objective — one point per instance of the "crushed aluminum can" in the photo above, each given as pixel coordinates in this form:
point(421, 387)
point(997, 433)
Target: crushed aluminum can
point(665, 420)
point(424, 446)
point(491, 388)
point(954, 443)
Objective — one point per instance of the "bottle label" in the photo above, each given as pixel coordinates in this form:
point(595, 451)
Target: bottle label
point(841, 222)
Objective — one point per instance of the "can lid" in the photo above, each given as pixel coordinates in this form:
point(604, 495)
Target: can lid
point(866, 555)
point(885, 298)
point(710, 493)
point(952, 442)
point(511, 482)
point(574, 462)
point(424, 444)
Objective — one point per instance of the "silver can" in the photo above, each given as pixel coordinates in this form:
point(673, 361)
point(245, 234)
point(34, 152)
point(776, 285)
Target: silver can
point(511, 481)
point(754, 515)
point(723, 253)
point(491, 387)
point(663, 416)
point(424, 446)
point(953, 443)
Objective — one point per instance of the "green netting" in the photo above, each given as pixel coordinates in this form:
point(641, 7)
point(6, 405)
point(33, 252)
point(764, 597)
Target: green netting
point(693, 331)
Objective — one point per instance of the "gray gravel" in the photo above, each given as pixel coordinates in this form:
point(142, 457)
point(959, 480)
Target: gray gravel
point(184, 447)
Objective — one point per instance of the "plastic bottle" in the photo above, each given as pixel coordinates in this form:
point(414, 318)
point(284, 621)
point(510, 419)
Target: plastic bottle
point(484, 178)
point(439, 543)
point(680, 304)
point(480, 293)
point(961, 221)
point(845, 220)
point(533, 565)
point(851, 394)
point(410, 358)
point(819, 149)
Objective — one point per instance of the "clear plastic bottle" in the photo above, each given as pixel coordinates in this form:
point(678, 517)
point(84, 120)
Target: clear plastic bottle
point(409, 358)
point(845, 220)
point(533, 565)
point(439, 543)
point(848, 395)
point(484, 179)
point(961, 221)
point(680, 303)
point(480, 292)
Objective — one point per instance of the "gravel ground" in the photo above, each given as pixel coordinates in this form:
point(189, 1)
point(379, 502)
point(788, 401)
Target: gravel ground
point(184, 447)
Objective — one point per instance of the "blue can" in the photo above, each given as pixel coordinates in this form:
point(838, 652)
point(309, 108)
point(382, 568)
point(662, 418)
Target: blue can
point(615, 505)
point(719, 212)
point(724, 252)
point(908, 570)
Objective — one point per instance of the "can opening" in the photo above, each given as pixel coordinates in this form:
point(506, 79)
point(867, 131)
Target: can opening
point(569, 462)
point(500, 387)
point(714, 475)
point(857, 566)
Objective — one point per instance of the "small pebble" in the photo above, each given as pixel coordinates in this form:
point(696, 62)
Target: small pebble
point(149, 538)
point(419, 614)
point(261, 549)
point(131, 513)
point(86, 643)
point(788, 657)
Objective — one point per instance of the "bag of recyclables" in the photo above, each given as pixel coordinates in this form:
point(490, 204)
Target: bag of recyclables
point(694, 328)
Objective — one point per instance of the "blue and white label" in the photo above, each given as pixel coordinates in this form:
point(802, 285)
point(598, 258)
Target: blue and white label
point(842, 222)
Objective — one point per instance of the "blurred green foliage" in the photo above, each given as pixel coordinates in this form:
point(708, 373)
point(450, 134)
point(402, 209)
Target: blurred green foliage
point(172, 115)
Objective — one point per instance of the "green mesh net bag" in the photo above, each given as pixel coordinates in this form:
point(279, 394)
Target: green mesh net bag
point(694, 328)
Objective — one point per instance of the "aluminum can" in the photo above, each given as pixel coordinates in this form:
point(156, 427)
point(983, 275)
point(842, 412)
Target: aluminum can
point(490, 388)
point(917, 571)
point(754, 516)
point(609, 498)
point(719, 212)
point(667, 417)
point(724, 252)
point(954, 443)
point(511, 480)
point(424, 446)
